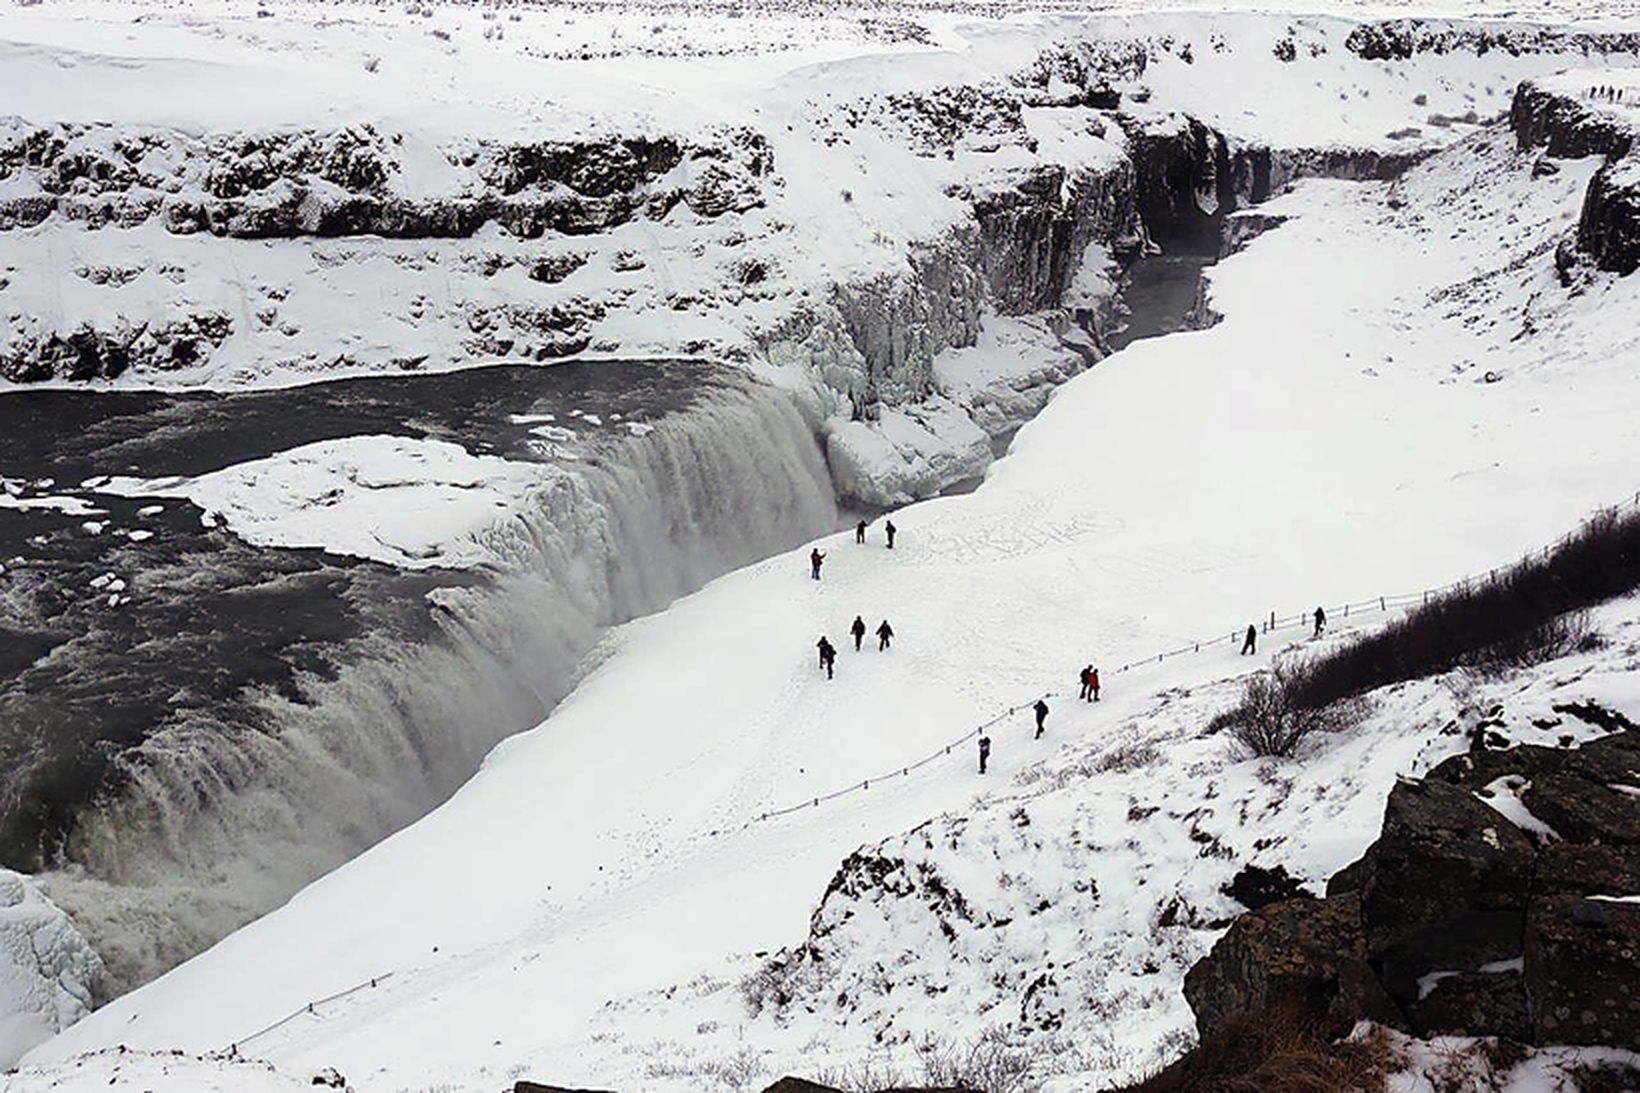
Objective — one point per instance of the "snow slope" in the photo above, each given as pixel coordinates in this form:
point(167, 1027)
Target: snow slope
point(1334, 437)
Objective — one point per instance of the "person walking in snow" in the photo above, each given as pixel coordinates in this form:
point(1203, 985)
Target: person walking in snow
point(889, 529)
point(1250, 641)
point(1087, 675)
point(815, 558)
point(828, 654)
point(984, 752)
point(1320, 621)
point(859, 631)
point(1093, 682)
point(860, 532)
point(884, 633)
point(1041, 709)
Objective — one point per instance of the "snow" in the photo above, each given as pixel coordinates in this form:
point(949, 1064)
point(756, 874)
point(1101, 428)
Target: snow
point(1466, 1062)
point(46, 968)
point(1503, 795)
point(584, 908)
point(409, 502)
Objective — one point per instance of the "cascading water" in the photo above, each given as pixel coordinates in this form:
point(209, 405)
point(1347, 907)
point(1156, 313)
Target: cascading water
point(225, 809)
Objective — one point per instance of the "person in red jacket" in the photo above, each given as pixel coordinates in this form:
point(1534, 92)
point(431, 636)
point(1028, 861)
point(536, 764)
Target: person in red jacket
point(1093, 682)
point(815, 558)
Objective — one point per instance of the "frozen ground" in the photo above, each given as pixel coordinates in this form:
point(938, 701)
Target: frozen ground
point(1337, 436)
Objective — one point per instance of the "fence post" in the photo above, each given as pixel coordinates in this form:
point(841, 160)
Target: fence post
point(1272, 622)
point(1381, 606)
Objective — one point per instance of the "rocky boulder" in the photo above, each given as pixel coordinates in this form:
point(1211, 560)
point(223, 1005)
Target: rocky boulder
point(1501, 899)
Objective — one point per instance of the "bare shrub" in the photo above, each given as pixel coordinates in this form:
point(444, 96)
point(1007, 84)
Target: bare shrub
point(1278, 1052)
point(1269, 721)
point(866, 1076)
point(1127, 757)
point(990, 1062)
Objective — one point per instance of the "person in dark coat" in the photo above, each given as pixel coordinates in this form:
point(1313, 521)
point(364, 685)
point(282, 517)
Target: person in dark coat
point(1249, 643)
point(828, 654)
point(1093, 682)
point(884, 633)
point(1087, 675)
point(1320, 621)
point(859, 631)
point(984, 752)
point(889, 529)
point(815, 558)
point(1041, 709)
point(860, 532)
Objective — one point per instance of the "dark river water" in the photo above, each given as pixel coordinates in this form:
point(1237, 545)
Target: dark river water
point(203, 617)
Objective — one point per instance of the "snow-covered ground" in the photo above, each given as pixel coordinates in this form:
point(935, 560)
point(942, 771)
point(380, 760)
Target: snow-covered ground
point(407, 502)
point(1400, 392)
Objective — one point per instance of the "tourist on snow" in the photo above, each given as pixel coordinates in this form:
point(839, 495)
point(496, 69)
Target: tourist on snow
point(1086, 677)
point(1041, 709)
point(1320, 621)
point(884, 633)
point(1093, 682)
point(815, 558)
point(828, 654)
point(860, 532)
point(1247, 645)
point(984, 752)
point(888, 529)
point(859, 631)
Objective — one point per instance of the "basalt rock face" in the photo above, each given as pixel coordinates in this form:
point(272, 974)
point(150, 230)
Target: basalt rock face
point(284, 185)
point(1403, 39)
point(1564, 126)
point(1459, 919)
point(1190, 177)
point(1608, 228)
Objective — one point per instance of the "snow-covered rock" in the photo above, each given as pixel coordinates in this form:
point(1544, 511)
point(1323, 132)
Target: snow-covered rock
point(47, 970)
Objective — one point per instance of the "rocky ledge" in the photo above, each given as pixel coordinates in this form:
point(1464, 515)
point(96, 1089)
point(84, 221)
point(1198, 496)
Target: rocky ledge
point(1501, 899)
point(1608, 230)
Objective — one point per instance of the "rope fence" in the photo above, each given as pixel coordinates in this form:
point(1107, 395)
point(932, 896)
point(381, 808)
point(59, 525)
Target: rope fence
point(312, 1007)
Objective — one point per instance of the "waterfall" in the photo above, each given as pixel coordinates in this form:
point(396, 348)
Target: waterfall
point(219, 817)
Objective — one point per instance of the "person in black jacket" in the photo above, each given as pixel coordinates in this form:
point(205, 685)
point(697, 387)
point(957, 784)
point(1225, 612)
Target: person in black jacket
point(859, 631)
point(1250, 642)
point(884, 633)
point(828, 654)
point(1041, 709)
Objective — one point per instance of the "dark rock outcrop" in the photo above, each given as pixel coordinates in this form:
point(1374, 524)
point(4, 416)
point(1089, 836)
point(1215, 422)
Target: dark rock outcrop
point(1459, 921)
point(347, 182)
point(1608, 228)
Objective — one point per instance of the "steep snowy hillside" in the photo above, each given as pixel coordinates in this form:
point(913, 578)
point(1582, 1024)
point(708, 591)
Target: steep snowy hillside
point(1404, 387)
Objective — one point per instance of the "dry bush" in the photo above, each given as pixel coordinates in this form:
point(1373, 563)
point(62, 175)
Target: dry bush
point(1269, 720)
point(1278, 1053)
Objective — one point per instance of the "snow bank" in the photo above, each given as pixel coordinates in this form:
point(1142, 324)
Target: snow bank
point(409, 502)
point(46, 968)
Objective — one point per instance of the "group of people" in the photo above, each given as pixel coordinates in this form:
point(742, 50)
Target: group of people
point(1249, 643)
point(1090, 685)
point(885, 632)
point(828, 651)
point(817, 557)
point(1604, 93)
